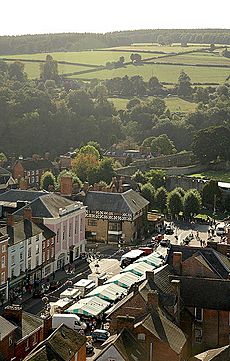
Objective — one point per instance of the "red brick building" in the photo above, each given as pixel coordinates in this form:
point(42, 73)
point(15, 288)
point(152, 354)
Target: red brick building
point(3, 268)
point(31, 169)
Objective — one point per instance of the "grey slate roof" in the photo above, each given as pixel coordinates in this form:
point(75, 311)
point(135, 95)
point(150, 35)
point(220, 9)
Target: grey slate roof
point(30, 323)
point(206, 293)
point(4, 172)
point(165, 330)
point(20, 231)
point(6, 327)
point(32, 164)
point(127, 345)
point(61, 345)
point(129, 202)
point(18, 195)
point(219, 263)
point(217, 354)
point(47, 206)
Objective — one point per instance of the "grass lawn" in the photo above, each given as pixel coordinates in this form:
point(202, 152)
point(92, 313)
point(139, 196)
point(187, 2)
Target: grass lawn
point(165, 73)
point(222, 176)
point(174, 48)
point(174, 104)
point(197, 58)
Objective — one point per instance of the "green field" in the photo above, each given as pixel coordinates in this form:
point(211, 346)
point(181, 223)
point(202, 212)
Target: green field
point(174, 104)
point(165, 73)
point(223, 176)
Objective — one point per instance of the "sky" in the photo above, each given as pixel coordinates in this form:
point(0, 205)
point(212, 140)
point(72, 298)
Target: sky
point(56, 16)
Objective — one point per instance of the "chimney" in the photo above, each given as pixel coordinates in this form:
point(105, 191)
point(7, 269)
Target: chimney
point(23, 184)
point(149, 275)
point(66, 185)
point(125, 322)
point(10, 219)
point(176, 286)
point(47, 326)
point(27, 213)
point(177, 262)
point(153, 299)
point(13, 313)
point(47, 155)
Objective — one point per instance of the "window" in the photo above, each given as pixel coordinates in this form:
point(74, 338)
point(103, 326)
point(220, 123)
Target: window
point(81, 223)
point(32, 172)
point(32, 179)
point(92, 222)
point(43, 257)
point(76, 226)
point(3, 261)
point(12, 261)
point(12, 272)
point(48, 243)
point(34, 339)
point(114, 226)
point(37, 248)
point(27, 344)
point(43, 244)
point(37, 171)
point(37, 261)
point(29, 241)
point(37, 178)
point(21, 268)
point(29, 252)
point(21, 245)
point(198, 314)
point(57, 235)
point(48, 254)
point(141, 336)
point(10, 340)
point(52, 252)
point(28, 173)
point(37, 238)
point(3, 279)
point(3, 248)
point(63, 233)
point(52, 241)
point(70, 229)
point(29, 264)
point(198, 335)
point(21, 256)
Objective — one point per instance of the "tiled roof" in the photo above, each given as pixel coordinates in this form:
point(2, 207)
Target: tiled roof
point(62, 345)
point(205, 293)
point(47, 206)
point(165, 330)
point(219, 263)
point(6, 327)
point(31, 164)
point(127, 345)
point(16, 195)
point(217, 354)
point(129, 202)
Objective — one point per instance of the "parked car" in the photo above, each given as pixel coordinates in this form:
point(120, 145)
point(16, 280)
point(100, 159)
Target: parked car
point(54, 285)
point(100, 335)
point(89, 349)
point(165, 242)
point(220, 230)
point(169, 230)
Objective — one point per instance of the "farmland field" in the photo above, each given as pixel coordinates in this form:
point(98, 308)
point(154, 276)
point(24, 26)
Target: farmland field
point(174, 48)
point(197, 58)
point(165, 73)
point(223, 176)
point(174, 104)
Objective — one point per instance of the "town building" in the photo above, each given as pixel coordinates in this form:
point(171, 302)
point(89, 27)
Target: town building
point(123, 347)
point(3, 268)
point(6, 180)
point(112, 216)
point(32, 169)
point(64, 217)
point(7, 339)
point(64, 344)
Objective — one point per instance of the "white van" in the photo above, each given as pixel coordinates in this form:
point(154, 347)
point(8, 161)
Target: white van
point(72, 321)
point(220, 229)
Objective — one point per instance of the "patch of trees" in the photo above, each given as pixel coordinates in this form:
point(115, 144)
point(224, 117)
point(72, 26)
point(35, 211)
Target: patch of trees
point(83, 41)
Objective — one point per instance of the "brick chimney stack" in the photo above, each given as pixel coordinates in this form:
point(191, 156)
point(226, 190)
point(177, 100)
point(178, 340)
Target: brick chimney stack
point(13, 313)
point(66, 185)
point(10, 219)
point(177, 262)
point(27, 213)
point(125, 322)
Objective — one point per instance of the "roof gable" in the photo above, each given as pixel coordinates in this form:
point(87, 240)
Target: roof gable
point(36, 164)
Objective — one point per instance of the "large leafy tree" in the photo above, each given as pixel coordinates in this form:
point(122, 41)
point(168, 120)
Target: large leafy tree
point(161, 199)
point(211, 194)
point(212, 142)
point(156, 177)
point(86, 167)
point(48, 181)
point(174, 203)
point(148, 192)
point(192, 203)
point(49, 69)
point(162, 145)
point(184, 88)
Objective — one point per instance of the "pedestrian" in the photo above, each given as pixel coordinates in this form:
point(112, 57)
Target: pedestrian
point(212, 232)
point(197, 234)
point(201, 243)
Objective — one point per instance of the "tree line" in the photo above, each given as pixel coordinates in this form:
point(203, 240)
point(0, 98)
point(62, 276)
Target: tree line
point(24, 44)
